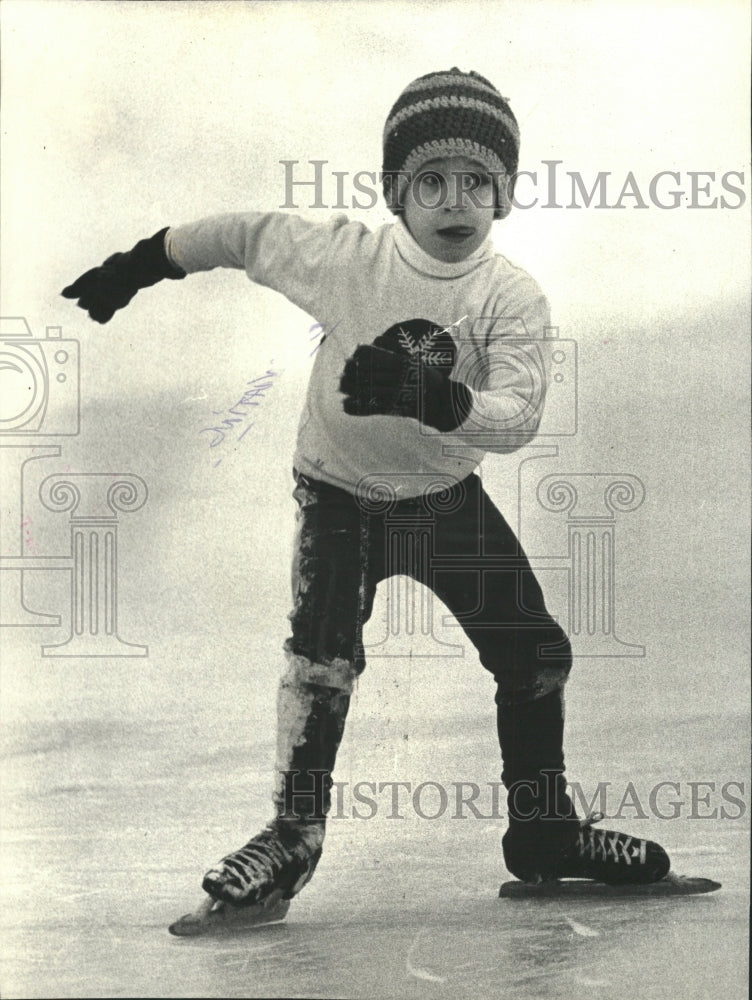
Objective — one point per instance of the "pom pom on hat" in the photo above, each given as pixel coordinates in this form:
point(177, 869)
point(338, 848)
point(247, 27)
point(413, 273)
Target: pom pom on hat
point(450, 113)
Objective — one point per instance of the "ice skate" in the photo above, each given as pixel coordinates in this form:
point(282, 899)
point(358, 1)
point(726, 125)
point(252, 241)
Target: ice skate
point(611, 857)
point(281, 859)
point(254, 886)
point(572, 849)
point(607, 863)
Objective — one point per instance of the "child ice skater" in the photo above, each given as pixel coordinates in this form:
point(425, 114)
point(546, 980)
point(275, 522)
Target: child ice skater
point(414, 381)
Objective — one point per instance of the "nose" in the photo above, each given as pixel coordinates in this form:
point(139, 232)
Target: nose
point(457, 199)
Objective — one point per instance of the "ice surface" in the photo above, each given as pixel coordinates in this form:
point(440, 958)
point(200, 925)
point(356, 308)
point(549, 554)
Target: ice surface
point(109, 823)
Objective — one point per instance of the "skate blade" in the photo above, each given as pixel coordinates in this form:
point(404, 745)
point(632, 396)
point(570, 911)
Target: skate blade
point(671, 885)
point(217, 917)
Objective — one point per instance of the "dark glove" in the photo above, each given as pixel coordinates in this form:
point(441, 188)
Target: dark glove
point(103, 290)
point(379, 380)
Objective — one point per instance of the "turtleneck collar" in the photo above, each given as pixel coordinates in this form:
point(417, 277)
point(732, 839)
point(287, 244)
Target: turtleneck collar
point(416, 257)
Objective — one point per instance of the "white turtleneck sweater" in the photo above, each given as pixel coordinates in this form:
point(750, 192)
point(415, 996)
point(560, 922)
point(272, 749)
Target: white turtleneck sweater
point(357, 284)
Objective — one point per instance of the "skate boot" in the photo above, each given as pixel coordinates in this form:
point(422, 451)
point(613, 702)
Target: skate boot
point(254, 886)
point(546, 840)
point(611, 857)
point(546, 851)
point(280, 860)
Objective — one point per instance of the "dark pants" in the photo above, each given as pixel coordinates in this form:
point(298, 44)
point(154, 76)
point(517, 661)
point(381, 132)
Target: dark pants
point(455, 542)
point(458, 544)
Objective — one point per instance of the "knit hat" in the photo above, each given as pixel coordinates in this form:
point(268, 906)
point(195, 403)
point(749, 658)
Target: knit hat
point(450, 113)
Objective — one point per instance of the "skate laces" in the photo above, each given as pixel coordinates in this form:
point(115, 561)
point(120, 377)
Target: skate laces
point(260, 858)
point(608, 845)
point(268, 853)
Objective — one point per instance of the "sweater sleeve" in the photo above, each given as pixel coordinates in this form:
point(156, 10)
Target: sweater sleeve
point(508, 376)
point(280, 251)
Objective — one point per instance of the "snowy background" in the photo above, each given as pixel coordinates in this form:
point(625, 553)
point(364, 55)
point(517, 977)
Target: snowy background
point(121, 118)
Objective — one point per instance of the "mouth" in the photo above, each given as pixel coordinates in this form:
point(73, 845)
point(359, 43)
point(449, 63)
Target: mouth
point(456, 234)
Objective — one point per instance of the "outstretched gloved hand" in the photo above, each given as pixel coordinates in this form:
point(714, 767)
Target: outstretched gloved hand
point(111, 286)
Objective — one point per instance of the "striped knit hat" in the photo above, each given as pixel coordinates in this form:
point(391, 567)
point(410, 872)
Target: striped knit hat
point(450, 113)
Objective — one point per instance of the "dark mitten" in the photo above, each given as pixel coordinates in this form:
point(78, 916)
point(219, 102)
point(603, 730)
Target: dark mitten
point(105, 289)
point(400, 376)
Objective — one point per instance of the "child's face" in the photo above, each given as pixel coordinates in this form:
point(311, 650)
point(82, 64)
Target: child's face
point(449, 207)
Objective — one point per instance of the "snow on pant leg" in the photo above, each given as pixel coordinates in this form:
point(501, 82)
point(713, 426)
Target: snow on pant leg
point(310, 724)
point(333, 587)
point(479, 570)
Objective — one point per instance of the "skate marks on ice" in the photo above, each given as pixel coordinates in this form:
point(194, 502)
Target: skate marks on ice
point(581, 929)
point(98, 861)
point(460, 941)
point(415, 970)
point(390, 932)
point(401, 928)
point(555, 954)
point(365, 948)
